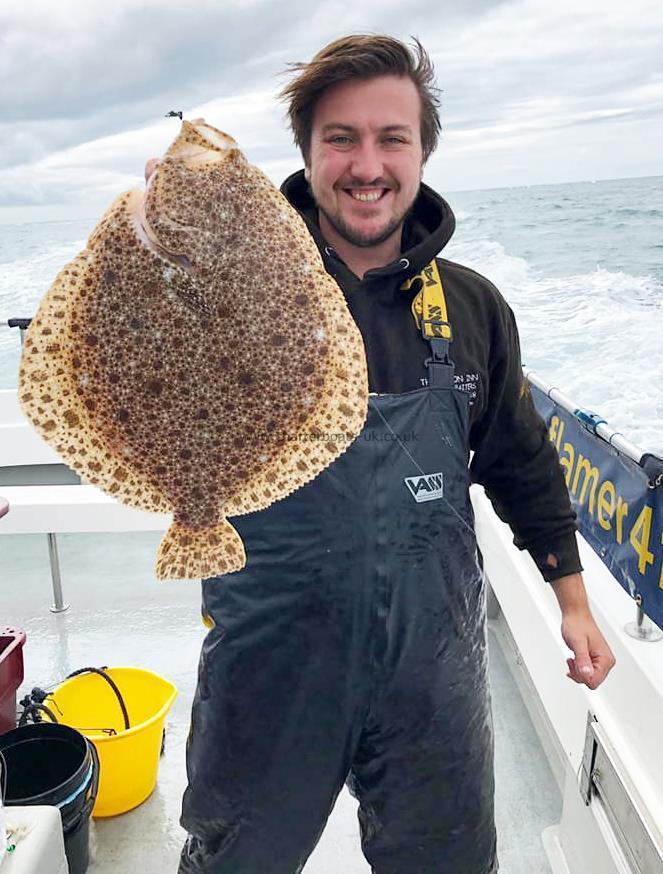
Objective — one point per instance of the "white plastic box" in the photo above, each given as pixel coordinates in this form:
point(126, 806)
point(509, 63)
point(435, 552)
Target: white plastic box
point(40, 849)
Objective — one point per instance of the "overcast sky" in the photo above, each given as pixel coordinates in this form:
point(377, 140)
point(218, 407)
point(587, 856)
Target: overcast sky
point(533, 91)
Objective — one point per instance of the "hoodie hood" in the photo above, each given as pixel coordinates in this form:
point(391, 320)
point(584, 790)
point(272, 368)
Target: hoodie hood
point(428, 228)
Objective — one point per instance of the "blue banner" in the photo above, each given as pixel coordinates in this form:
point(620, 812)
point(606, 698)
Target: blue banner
point(620, 514)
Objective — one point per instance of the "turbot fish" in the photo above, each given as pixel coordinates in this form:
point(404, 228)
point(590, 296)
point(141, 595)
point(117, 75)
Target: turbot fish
point(196, 358)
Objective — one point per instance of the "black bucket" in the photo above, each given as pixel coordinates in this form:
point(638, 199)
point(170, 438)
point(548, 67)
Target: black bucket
point(53, 764)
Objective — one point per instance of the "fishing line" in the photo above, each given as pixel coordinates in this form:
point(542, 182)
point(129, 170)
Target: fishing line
point(416, 464)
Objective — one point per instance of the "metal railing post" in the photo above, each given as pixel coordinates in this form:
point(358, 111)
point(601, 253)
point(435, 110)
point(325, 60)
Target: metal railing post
point(643, 628)
point(58, 600)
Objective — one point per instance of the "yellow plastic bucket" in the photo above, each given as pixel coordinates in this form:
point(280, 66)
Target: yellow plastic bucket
point(128, 757)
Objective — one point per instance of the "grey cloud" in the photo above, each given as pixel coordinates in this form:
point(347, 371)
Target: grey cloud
point(144, 52)
point(63, 82)
point(479, 95)
point(507, 69)
point(64, 91)
point(624, 115)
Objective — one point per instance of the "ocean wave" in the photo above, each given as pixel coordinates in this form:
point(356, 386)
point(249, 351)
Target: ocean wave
point(25, 280)
point(636, 211)
point(596, 335)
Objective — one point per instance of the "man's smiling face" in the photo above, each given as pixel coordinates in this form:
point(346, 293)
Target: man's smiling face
point(365, 158)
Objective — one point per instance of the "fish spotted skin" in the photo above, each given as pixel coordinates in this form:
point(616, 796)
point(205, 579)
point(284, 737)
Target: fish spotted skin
point(196, 357)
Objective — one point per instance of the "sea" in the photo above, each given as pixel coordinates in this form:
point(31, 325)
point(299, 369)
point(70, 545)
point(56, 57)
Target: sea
point(580, 264)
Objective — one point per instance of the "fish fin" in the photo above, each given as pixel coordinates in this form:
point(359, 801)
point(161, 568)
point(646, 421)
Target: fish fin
point(198, 553)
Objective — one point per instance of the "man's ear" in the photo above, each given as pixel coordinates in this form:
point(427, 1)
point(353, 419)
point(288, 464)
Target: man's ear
point(307, 174)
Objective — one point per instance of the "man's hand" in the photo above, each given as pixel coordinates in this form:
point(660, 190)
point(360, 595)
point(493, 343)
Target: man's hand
point(593, 658)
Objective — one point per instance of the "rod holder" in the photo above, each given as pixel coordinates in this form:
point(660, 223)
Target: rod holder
point(643, 628)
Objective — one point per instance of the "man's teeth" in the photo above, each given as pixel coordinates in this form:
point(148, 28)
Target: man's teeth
point(373, 195)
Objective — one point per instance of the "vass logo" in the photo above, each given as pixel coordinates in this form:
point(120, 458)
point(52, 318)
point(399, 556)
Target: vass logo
point(429, 487)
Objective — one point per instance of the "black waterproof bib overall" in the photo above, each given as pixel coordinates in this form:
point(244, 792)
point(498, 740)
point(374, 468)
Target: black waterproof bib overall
point(352, 647)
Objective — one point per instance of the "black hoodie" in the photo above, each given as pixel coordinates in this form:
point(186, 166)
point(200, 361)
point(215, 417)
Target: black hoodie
point(513, 457)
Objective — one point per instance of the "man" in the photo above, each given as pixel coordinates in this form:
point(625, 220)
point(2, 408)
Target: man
point(352, 646)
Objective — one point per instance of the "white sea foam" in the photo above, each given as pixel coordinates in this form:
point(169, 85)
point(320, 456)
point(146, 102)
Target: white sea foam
point(596, 336)
point(23, 282)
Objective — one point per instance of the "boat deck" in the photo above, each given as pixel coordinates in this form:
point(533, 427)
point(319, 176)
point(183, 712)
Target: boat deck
point(120, 615)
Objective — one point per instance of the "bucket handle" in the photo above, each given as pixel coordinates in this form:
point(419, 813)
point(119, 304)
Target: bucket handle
point(113, 685)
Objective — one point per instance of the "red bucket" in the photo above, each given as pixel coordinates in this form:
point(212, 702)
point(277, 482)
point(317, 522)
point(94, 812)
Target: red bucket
point(11, 674)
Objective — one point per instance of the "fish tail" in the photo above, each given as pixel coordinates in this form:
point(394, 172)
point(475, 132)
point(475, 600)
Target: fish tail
point(197, 553)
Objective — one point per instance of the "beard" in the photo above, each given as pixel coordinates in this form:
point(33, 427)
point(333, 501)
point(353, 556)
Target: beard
point(364, 240)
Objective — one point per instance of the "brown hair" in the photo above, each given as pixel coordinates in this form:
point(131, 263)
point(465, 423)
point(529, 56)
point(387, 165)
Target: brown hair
point(362, 56)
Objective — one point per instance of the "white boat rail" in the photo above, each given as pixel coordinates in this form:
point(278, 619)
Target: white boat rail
point(595, 423)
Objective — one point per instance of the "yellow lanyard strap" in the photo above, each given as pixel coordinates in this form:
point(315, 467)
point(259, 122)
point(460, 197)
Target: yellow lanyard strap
point(429, 307)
